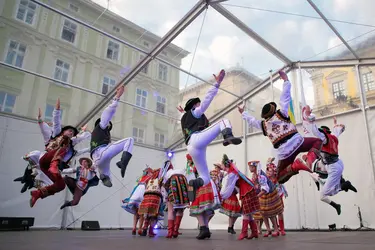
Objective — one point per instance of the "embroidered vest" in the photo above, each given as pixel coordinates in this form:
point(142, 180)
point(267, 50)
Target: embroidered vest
point(190, 124)
point(278, 129)
point(153, 186)
point(99, 137)
point(330, 150)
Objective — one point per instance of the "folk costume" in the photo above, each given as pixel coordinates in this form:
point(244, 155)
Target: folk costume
point(176, 186)
point(79, 186)
point(131, 204)
point(284, 136)
point(103, 149)
point(199, 134)
point(248, 197)
point(269, 199)
point(58, 152)
point(333, 164)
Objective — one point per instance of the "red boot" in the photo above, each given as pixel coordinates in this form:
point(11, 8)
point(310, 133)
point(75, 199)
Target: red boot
point(170, 229)
point(301, 165)
point(151, 231)
point(177, 224)
point(245, 229)
point(311, 156)
point(254, 230)
point(36, 194)
point(282, 229)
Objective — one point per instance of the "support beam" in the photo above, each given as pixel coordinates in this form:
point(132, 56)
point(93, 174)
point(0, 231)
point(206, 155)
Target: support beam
point(332, 28)
point(336, 63)
point(234, 104)
point(236, 21)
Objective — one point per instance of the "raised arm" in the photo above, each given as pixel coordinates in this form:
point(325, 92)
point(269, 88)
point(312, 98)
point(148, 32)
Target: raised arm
point(227, 191)
point(285, 94)
point(81, 137)
point(338, 129)
point(315, 131)
point(45, 129)
point(110, 111)
point(56, 119)
point(251, 120)
point(197, 112)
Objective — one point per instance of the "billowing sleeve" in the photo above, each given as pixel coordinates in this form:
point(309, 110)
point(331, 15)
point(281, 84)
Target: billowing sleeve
point(251, 120)
point(227, 191)
point(285, 98)
point(81, 137)
point(69, 171)
point(56, 121)
point(197, 112)
point(263, 183)
point(82, 151)
point(315, 131)
point(108, 113)
point(46, 131)
point(338, 130)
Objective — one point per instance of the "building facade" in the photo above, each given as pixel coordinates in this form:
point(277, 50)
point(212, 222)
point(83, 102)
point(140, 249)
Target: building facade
point(42, 41)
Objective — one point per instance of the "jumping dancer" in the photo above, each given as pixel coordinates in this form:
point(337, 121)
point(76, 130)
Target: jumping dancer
point(248, 197)
point(284, 136)
point(198, 134)
point(103, 150)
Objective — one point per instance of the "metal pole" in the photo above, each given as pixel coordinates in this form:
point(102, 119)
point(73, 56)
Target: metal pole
point(81, 88)
point(365, 120)
point(271, 79)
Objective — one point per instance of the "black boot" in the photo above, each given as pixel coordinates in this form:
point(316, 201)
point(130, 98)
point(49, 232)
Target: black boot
point(229, 138)
point(231, 230)
point(317, 185)
point(204, 233)
point(336, 206)
point(106, 180)
point(123, 163)
point(66, 204)
point(194, 185)
point(347, 185)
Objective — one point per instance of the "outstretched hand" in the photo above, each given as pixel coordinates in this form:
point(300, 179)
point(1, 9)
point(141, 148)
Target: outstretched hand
point(57, 104)
point(180, 109)
point(241, 109)
point(120, 90)
point(334, 120)
point(221, 76)
point(283, 75)
point(39, 114)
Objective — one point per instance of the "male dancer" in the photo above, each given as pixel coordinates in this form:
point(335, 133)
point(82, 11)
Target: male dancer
point(284, 136)
point(79, 186)
point(198, 134)
point(103, 150)
point(330, 157)
point(59, 151)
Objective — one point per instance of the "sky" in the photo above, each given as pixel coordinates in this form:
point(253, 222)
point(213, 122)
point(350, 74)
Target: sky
point(222, 45)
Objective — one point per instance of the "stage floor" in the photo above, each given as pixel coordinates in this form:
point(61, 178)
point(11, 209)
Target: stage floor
point(122, 239)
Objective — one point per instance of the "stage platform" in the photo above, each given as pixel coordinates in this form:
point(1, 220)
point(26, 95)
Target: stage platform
point(122, 239)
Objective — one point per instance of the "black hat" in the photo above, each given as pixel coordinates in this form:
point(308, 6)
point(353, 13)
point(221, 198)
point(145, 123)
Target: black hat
point(324, 129)
point(268, 110)
point(75, 130)
point(98, 121)
point(190, 103)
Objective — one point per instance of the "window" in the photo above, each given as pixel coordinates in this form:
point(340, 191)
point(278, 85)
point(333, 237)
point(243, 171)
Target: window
point(145, 68)
point(108, 84)
point(113, 50)
point(163, 72)
point(48, 113)
point(61, 71)
point(338, 89)
point(160, 104)
point(368, 81)
point(141, 98)
point(159, 140)
point(26, 11)
point(16, 54)
point(69, 31)
point(138, 135)
point(7, 102)
point(73, 7)
point(116, 29)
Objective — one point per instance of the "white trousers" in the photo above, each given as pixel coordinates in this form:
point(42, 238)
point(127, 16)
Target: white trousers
point(332, 185)
point(198, 144)
point(41, 180)
point(102, 156)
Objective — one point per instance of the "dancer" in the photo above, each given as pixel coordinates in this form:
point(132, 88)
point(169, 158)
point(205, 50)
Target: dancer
point(103, 150)
point(175, 184)
point(59, 151)
point(284, 136)
point(272, 175)
point(206, 201)
point(132, 203)
point(330, 157)
point(231, 206)
point(198, 134)
point(269, 199)
point(248, 197)
point(152, 201)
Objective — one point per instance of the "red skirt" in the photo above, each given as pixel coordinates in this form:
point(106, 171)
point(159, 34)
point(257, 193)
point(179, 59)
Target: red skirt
point(204, 201)
point(271, 204)
point(258, 216)
point(231, 206)
point(250, 203)
point(150, 205)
